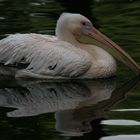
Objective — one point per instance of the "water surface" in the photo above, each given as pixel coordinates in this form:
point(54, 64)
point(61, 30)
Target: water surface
point(107, 109)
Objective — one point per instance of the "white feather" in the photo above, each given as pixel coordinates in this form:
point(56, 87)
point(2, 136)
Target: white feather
point(46, 55)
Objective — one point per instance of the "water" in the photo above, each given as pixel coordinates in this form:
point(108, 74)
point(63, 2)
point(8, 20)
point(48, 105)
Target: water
point(107, 109)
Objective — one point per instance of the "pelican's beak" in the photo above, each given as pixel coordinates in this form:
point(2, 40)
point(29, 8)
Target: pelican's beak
point(95, 37)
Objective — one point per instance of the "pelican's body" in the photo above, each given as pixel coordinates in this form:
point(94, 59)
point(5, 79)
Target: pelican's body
point(66, 55)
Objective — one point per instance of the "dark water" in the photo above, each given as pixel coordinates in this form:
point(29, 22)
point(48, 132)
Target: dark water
point(107, 109)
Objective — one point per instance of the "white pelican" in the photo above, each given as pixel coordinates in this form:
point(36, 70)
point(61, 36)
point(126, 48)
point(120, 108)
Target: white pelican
point(77, 51)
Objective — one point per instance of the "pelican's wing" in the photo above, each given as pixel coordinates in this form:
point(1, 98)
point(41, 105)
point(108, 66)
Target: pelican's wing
point(45, 55)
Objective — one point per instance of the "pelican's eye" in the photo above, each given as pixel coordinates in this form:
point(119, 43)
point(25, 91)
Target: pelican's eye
point(83, 23)
point(86, 25)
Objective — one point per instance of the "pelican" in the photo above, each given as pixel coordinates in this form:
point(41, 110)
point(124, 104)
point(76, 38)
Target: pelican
point(77, 51)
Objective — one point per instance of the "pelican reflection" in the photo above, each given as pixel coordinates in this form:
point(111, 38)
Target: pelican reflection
point(38, 97)
point(75, 103)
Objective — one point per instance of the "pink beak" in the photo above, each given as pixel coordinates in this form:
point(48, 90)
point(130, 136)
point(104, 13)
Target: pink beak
point(97, 38)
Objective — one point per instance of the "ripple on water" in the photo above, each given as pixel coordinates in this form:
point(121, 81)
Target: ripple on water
point(122, 137)
point(121, 110)
point(120, 122)
point(2, 18)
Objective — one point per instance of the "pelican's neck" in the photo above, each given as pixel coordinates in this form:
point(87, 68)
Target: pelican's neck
point(65, 35)
point(63, 32)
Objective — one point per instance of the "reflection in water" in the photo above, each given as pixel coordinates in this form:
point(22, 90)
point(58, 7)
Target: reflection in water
point(122, 137)
point(41, 97)
point(77, 104)
point(82, 120)
point(120, 122)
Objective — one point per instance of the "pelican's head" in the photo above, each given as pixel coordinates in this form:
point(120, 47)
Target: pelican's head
point(75, 28)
